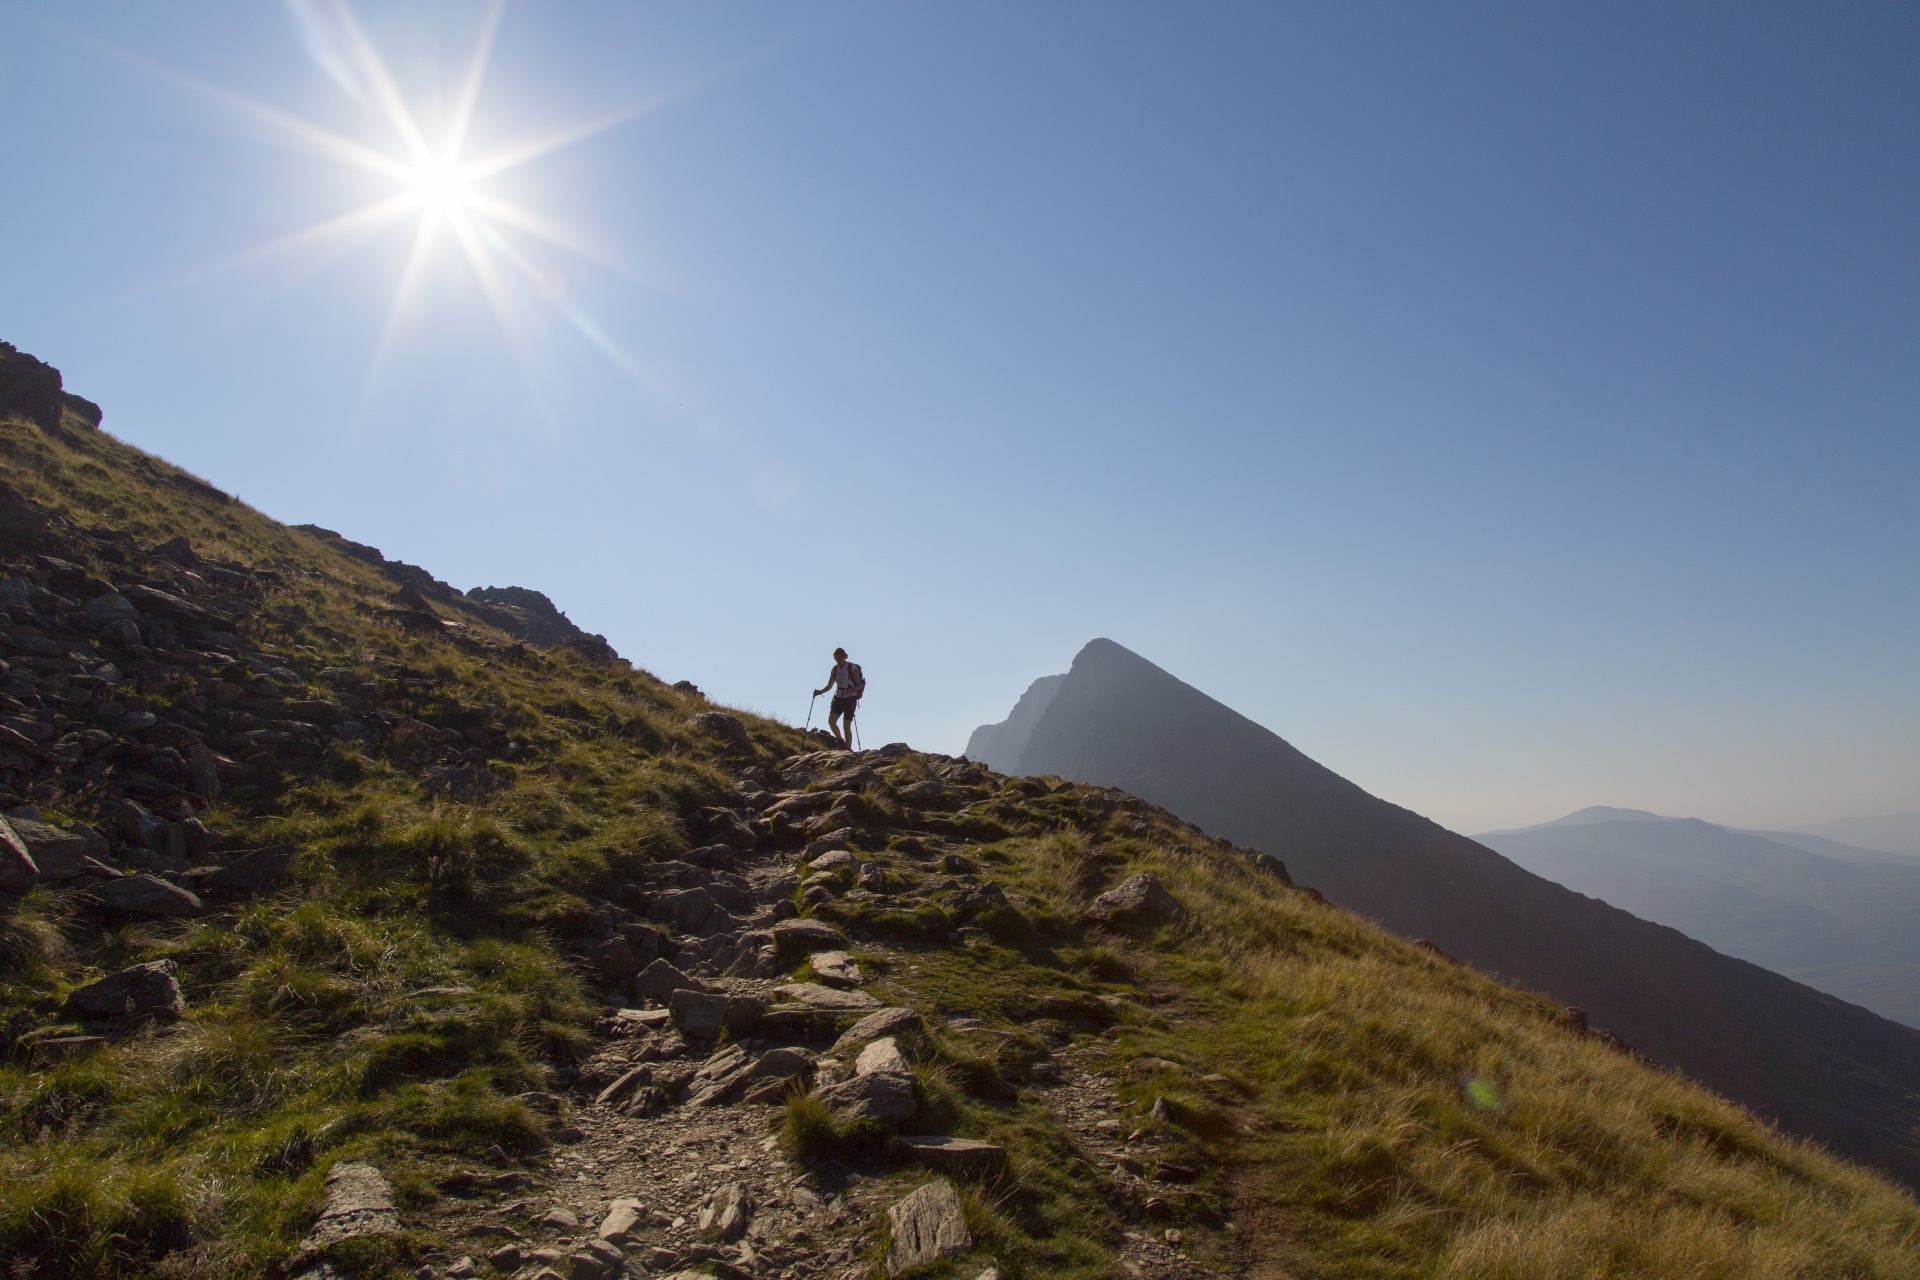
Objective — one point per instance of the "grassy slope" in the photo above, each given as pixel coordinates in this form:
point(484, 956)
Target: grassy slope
point(1388, 1113)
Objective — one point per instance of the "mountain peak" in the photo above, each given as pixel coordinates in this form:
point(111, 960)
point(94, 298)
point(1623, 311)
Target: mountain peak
point(1117, 720)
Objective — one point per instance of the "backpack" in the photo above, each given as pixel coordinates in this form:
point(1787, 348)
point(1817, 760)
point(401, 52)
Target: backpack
point(859, 679)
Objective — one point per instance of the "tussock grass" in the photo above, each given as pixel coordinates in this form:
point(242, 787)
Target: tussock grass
point(1413, 1117)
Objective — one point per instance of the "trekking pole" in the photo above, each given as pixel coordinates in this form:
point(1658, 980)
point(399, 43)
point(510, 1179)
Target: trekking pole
point(810, 702)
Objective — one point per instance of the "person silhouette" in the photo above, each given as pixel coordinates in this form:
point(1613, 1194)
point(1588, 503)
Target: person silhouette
point(848, 684)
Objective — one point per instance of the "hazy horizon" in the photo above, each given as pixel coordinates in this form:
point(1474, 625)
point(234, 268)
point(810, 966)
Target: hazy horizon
point(1512, 408)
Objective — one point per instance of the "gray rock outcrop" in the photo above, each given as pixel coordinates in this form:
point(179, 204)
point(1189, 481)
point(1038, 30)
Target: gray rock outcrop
point(1138, 902)
point(884, 1098)
point(881, 1022)
point(18, 871)
point(150, 990)
point(793, 939)
point(927, 1226)
point(723, 1217)
point(359, 1204)
point(148, 898)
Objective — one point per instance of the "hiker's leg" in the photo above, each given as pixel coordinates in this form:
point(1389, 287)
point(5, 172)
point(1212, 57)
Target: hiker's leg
point(833, 727)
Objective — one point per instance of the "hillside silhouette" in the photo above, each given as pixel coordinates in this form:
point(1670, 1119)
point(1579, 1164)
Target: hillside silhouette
point(1816, 1064)
point(347, 929)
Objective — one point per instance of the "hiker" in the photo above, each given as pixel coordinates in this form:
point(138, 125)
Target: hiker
point(847, 684)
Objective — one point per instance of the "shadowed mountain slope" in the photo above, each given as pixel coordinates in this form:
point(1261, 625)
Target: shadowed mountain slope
point(1817, 1065)
point(1846, 927)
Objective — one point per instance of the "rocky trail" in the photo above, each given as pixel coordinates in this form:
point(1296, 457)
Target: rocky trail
point(676, 1155)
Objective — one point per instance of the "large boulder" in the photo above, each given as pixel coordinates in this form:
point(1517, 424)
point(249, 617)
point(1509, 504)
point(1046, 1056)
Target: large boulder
point(146, 897)
point(772, 1077)
point(685, 910)
point(110, 606)
point(150, 990)
point(884, 1098)
point(49, 845)
point(60, 855)
point(927, 1226)
point(18, 871)
point(1138, 902)
point(30, 389)
point(882, 1055)
point(703, 1015)
point(782, 1064)
point(658, 981)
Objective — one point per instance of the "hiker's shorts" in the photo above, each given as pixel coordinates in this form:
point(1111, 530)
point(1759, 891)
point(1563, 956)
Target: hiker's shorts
point(842, 707)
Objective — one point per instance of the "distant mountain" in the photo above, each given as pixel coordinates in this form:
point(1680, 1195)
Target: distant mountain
point(1844, 924)
point(1006, 740)
point(1590, 814)
point(1893, 832)
point(1854, 855)
point(1818, 1065)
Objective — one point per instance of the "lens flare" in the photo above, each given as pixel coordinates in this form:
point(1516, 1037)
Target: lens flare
point(1481, 1093)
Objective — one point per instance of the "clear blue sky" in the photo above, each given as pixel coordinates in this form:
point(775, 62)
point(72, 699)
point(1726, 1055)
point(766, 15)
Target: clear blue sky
point(1513, 406)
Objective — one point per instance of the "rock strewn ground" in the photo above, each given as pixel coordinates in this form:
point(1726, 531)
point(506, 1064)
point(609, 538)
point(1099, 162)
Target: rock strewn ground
point(654, 1168)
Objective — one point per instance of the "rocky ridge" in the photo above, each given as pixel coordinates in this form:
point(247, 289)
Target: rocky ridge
point(427, 952)
point(680, 1155)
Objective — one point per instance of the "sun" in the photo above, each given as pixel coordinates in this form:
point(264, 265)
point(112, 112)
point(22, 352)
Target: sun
point(441, 188)
point(438, 180)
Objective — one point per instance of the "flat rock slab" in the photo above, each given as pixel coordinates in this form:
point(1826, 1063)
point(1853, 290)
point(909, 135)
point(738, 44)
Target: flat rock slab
point(54, 851)
point(827, 843)
point(838, 968)
point(927, 1226)
point(831, 860)
point(962, 1156)
point(148, 897)
point(359, 1203)
point(812, 993)
point(891, 1021)
point(795, 938)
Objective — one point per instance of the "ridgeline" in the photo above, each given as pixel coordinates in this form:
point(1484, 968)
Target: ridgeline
point(355, 925)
